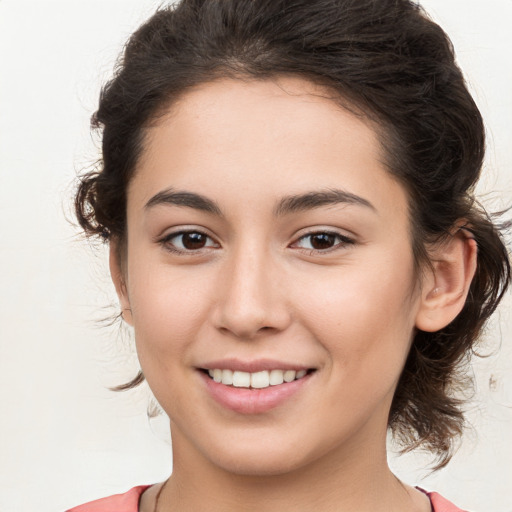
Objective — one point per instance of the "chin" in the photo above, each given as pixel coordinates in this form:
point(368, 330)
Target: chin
point(263, 465)
point(261, 459)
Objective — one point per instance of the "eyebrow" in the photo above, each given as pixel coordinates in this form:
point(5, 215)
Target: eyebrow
point(317, 199)
point(182, 198)
point(286, 205)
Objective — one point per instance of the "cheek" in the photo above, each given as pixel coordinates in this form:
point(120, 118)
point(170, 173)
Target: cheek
point(168, 313)
point(168, 309)
point(363, 315)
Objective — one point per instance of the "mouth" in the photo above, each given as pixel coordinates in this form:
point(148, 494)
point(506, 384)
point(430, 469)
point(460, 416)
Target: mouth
point(257, 386)
point(256, 380)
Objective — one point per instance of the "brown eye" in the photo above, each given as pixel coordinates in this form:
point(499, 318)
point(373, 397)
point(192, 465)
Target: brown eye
point(188, 241)
point(193, 241)
point(321, 241)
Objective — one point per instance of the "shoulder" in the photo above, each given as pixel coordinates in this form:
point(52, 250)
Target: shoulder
point(127, 502)
point(440, 504)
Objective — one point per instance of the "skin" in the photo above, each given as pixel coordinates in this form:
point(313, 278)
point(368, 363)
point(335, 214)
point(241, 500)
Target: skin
point(258, 288)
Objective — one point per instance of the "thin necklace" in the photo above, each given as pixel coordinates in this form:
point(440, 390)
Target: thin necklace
point(158, 497)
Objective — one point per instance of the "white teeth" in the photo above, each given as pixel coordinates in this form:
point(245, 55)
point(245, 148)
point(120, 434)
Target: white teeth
point(241, 379)
point(227, 377)
point(276, 377)
point(260, 380)
point(289, 375)
point(256, 380)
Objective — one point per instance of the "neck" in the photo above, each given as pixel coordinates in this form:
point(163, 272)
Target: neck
point(348, 479)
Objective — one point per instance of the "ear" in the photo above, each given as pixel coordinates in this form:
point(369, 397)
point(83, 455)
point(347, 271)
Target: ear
point(446, 286)
point(117, 275)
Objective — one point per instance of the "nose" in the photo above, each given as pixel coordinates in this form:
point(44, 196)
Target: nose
point(251, 296)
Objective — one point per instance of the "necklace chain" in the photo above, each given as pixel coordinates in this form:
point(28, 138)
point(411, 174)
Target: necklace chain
point(157, 499)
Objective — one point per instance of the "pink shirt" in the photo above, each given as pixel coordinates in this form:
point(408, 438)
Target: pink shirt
point(129, 502)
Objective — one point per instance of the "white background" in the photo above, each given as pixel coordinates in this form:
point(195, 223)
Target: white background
point(64, 438)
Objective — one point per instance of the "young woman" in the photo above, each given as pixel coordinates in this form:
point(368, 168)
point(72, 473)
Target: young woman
point(286, 189)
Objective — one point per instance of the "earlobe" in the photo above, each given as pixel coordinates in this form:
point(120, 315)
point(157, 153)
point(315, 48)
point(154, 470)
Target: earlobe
point(118, 278)
point(446, 285)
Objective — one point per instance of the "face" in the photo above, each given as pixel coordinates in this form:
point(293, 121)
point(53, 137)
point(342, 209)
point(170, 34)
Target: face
point(267, 243)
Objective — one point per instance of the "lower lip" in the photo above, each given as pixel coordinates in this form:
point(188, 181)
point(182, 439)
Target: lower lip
point(253, 401)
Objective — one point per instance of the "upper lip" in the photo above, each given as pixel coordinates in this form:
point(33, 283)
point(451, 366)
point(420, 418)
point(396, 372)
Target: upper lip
point(256, 365)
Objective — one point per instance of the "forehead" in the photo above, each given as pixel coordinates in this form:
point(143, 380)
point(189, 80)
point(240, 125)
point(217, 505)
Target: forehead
point(275, 137)
point(277, 107)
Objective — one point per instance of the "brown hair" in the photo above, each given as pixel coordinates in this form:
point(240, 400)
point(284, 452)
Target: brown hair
point(387, 59)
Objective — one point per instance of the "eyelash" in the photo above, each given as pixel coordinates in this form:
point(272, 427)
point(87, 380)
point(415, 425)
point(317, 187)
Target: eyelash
point(166, 241)
point(343, 241)
point(168, 245)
